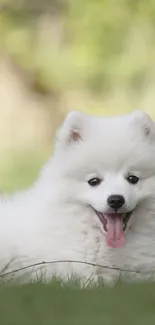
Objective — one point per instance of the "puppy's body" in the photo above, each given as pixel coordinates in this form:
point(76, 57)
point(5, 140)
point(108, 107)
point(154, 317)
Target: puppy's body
point(57, 219)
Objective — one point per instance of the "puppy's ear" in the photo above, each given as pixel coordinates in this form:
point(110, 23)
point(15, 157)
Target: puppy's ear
point(73, 129)
point(144, 122)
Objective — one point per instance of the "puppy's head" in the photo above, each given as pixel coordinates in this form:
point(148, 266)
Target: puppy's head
point(108, 165)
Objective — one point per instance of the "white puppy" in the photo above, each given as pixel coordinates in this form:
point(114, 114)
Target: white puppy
point(93, 202)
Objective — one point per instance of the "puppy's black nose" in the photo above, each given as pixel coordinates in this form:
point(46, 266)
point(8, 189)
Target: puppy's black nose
point(115, 201)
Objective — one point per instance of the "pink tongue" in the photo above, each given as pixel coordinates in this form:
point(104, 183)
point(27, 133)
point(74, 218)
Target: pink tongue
point(115, 236)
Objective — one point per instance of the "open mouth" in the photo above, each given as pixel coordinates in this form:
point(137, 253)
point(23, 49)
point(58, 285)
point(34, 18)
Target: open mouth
point(124, 216)
point(114, 225)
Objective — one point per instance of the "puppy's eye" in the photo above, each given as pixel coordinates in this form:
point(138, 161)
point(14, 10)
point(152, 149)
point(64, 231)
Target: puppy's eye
point(94, 182)
point(132, 179)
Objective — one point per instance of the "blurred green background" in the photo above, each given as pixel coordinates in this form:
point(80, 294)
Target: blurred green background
point(60, 55)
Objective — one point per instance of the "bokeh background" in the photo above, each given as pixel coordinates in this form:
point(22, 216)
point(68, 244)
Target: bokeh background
point(96, 56)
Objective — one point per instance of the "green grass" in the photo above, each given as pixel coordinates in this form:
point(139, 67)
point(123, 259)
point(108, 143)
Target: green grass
point(42, 304)
point(52, 304)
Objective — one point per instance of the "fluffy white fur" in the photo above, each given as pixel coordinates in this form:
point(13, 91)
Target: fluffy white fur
point(55, 219)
